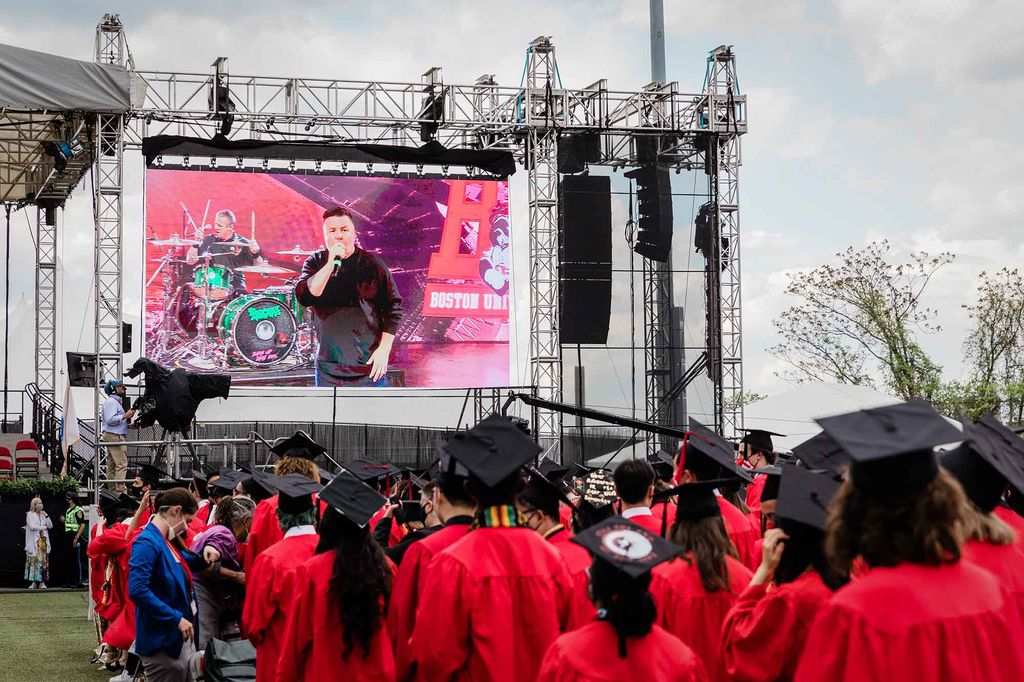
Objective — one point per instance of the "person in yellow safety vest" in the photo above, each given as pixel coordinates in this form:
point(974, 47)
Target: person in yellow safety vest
point(75, 526)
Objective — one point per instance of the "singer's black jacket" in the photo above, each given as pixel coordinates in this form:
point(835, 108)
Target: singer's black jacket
point(359, 303)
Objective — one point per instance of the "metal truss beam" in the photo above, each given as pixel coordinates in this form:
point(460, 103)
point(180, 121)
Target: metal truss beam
point(543, 114)
point(725, 117)
point(46, 304)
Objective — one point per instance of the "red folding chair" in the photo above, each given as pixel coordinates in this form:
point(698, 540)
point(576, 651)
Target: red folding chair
point(26, 459)
point(6, 463)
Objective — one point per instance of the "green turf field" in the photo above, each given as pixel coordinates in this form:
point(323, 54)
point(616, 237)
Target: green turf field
point(46, 638)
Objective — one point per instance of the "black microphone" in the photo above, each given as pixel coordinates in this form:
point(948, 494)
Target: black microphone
point(337, 266)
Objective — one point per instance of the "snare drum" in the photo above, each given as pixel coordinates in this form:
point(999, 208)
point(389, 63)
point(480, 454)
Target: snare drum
point(260, 329)
point(286, 295)
point(216, 279)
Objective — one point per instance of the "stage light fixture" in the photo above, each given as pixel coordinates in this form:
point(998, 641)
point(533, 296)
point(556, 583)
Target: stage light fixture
point(309, 126)
point(270, 123)
point(419, 169)
point(266, 164)
point(318, 165)
point(187, 162)
point(344, 166)
point(149, 118)
point(213, 162)
point(160, 160)
point(291, 165)
point(239, 163)
point(394, 169)
point(444, 171)
point(369, 168)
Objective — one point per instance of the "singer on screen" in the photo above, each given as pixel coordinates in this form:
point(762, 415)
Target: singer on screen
point(356, 306)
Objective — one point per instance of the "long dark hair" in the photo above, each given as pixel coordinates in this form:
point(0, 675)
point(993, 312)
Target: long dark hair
point(626, 602)
point(360, 585)
point(805, 549)
point(706, 543)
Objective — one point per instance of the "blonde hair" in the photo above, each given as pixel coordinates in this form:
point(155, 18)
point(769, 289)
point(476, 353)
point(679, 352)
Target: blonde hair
point(36, 504)
point(297, 465)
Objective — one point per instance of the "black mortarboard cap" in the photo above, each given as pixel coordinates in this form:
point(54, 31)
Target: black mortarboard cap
point(228, 479)
point(446, 464)
point(199, 480)
point(150, 474)
point(664, 464)
point(258, 486)
point(760, 439)
point(366, 469)
point(891, 448)
point(199, 475)
point(352, 498)
point(821, 452)
point(773, 476)
point(492, 450)
point(108, 500)
point(703, 443)
point(127, 502)
point(171, 483)
point(210, 470)
point(627, 547)
point(804, 496)
point(325, 475)
point(695, 501)
point(296, 492)
point(990, 458)
point(299, 444)
point(539, 485)
point(552, 470)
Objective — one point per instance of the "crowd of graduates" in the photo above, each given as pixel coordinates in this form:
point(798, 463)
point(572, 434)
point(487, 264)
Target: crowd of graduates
point(884, 548)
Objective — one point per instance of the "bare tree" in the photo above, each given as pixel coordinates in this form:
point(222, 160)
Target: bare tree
point(995, 344)
point(859, 319)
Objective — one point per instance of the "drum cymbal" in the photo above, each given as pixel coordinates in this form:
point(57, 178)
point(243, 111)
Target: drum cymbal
point(264, 270)
point(168, 259)
point(296, 251)
point(174, 241)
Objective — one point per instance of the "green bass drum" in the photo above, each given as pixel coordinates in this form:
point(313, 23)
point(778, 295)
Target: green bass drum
point(259, 329)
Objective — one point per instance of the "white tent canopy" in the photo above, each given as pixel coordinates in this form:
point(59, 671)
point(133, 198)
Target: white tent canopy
point(793, 412)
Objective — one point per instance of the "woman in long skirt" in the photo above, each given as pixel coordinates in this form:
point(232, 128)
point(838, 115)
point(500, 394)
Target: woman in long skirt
point(37, 545)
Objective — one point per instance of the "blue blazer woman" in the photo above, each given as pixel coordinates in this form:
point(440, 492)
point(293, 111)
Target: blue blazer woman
point(158, 585)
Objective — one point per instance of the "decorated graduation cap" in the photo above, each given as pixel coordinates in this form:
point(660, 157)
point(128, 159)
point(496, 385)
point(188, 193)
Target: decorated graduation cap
point(625, 546)
point(598, 492)
point(891, 448)
point(295, 492)
point(150, 474)
point(299, 444)
point(821, 452)
point(760, 439)
point(990, 458)
point(708, 454)
point(695, 501)
point(804, 496)
point(773, 476)
point(352, 498)
point(493, 450)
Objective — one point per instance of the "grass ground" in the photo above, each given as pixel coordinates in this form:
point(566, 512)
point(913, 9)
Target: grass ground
point(46, 638)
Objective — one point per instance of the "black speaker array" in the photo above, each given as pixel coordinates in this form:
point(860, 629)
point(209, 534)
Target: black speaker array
point(585, 259)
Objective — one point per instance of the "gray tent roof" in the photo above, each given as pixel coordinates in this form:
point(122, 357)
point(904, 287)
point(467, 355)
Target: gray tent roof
point(37, 81)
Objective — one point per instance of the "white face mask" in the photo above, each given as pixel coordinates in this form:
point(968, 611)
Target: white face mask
point(180, 528)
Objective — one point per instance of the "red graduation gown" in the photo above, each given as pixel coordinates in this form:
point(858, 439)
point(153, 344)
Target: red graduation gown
point(1005, 563)
point(577, 560)
point(692, 614)
point(1014, 521)
point(405, 592)
point(270, 591)
point(108, 549)
point(949, 623)
point(648, 521)
point(121, 632)
point(496, 601)
point(565, 516)
point(591, 654)
point(96, 565)
point(765, 630)
point(754, 491)
point(742, 532)
point(264, 532)
point(311, 646)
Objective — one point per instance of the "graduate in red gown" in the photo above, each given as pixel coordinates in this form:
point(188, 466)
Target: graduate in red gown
point(990, 459)
point(297, 454)
point(694, 592)
point(706, 455)
point(623, 644)
point(766, 628)
point(538, 504)
point(757, 450)
point(337, 625)
point(920, 612)
point(495, 600)
point(270, 584)
point(456, 510)
point(384, 478)
point(634, 484)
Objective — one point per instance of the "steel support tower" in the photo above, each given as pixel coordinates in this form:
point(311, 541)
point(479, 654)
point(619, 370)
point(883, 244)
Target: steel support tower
point(726, 110)
point(46, 304)
point(108, 195)
point(543, 118)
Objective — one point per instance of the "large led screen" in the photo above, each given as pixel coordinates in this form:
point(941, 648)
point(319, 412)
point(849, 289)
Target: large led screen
point(289, 279)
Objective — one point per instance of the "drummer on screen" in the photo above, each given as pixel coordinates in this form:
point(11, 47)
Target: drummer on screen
point(356, 306)
point(228, 248)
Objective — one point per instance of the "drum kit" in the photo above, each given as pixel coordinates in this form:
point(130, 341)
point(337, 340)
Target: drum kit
point(206, 322)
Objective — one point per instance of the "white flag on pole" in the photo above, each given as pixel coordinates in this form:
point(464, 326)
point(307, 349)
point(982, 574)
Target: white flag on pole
point(69, 434)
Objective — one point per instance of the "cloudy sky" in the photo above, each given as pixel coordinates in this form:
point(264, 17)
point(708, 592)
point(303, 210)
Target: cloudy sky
point(868, 119)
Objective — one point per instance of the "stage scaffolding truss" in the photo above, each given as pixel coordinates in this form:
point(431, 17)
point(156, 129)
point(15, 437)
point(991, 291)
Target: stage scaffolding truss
point(527, 120)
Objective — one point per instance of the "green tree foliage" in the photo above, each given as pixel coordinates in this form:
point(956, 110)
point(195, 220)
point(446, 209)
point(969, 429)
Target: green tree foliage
point(858, 320)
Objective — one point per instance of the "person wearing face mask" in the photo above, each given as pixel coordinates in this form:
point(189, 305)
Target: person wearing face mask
point(147, 478)
point(160, 584)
